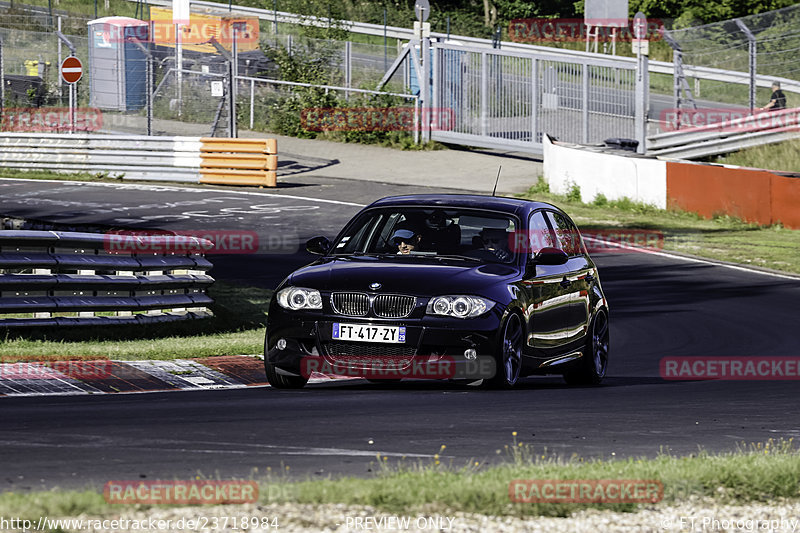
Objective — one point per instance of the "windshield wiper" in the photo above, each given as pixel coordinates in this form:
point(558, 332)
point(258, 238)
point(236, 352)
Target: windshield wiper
point(462, 257)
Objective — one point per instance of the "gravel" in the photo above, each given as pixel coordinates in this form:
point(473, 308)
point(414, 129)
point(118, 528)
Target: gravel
point(694, 515)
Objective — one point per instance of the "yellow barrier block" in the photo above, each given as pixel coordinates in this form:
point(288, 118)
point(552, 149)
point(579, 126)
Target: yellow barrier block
point(241, 161)
point(259, 146)
point(267, 178)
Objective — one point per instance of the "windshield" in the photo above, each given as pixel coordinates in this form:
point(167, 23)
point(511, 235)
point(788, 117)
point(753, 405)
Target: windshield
point(458, 233)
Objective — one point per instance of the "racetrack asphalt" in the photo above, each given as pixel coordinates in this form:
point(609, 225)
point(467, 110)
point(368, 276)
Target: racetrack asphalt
point(661, 307)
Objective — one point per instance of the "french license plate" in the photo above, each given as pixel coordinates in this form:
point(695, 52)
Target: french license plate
point(369, 333)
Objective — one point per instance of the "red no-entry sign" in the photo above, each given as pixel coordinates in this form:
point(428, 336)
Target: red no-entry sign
point(71, 69)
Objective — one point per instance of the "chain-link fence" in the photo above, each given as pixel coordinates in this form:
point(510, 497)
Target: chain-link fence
point(768, 43)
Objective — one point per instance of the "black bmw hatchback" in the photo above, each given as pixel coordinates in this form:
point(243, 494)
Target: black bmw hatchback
point(421, 279)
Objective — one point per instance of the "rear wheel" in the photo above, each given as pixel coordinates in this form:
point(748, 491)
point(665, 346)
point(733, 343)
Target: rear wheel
point(509, 355)
point(281, 381)
point(592, 366)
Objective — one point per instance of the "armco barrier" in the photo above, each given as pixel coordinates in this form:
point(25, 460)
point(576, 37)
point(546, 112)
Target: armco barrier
point(754, 195)
point(53, 278)
point(140, 157)
point(726, 136)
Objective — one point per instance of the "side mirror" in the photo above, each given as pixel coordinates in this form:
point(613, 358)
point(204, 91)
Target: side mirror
point(318, 245)
point(550, 256)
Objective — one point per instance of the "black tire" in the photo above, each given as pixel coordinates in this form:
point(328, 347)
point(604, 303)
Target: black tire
point(280, 381)
point(592, 367)
point(508, 357)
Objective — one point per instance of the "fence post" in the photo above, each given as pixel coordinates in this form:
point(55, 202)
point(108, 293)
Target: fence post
point(484, 115)
point(348, 72)
point(585, 103)
point(751, 46)
point(534, 100)
point(252, 101)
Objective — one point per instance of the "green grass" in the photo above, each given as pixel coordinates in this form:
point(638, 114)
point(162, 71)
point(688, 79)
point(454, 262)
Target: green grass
point(757, 473)
point(783, 156)
point(723, 238)
point(237, 327)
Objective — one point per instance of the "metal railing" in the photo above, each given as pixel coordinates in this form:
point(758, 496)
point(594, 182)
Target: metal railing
point(744, 132)
point(54, 278)
point(508, 99)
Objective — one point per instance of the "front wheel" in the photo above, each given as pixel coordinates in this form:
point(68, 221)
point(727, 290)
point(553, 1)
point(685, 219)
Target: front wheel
point(281, 381)
point(592, 366)
point(508, 358)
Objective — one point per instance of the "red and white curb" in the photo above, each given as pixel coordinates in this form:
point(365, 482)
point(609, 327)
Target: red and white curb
point(85, 376)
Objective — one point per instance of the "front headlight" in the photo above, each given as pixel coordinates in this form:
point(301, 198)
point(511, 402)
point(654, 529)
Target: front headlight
point(295, 298)
point(459, 306)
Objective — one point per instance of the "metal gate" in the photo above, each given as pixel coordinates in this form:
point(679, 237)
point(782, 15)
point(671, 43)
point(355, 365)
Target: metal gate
point(507, 100)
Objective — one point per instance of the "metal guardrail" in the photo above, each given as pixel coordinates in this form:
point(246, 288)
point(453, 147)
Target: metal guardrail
point(659, 67)
point(729, 136)
point(55, 278)
point(211, 160)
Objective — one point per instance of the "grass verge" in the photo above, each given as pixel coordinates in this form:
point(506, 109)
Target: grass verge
point(722, 238)
point(237, 327)
point(756, 473)
point(784, 156)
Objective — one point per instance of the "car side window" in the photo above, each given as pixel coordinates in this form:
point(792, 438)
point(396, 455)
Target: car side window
point(567, 234)
point(539, 234)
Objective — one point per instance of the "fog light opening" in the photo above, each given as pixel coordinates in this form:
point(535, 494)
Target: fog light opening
point(471, 354)
point(281, 344)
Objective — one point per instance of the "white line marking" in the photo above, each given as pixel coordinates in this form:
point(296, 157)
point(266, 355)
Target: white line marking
point(189, 189)
point(693, 259)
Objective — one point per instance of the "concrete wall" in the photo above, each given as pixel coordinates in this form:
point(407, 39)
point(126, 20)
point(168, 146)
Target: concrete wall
point(596, 172)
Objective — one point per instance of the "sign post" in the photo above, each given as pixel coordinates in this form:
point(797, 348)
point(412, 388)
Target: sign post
point(422, 10)
point(71, 71)
point(642, 78)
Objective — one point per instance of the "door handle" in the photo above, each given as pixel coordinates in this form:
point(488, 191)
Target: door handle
point(565, 283)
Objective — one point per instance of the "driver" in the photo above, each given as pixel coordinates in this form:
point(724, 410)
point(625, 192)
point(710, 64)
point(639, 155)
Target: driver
point(495, 240)
point(406, 241)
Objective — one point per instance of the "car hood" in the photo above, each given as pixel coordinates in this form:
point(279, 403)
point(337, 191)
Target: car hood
point(415, 277)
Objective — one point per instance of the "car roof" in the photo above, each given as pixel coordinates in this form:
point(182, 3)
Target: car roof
point(497, 203)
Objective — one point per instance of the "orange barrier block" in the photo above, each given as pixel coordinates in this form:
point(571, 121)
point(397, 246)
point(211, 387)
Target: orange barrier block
point(239, 161)
point(713, 189)
point(258, 146)
point(258, 178)
point(786, 200)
